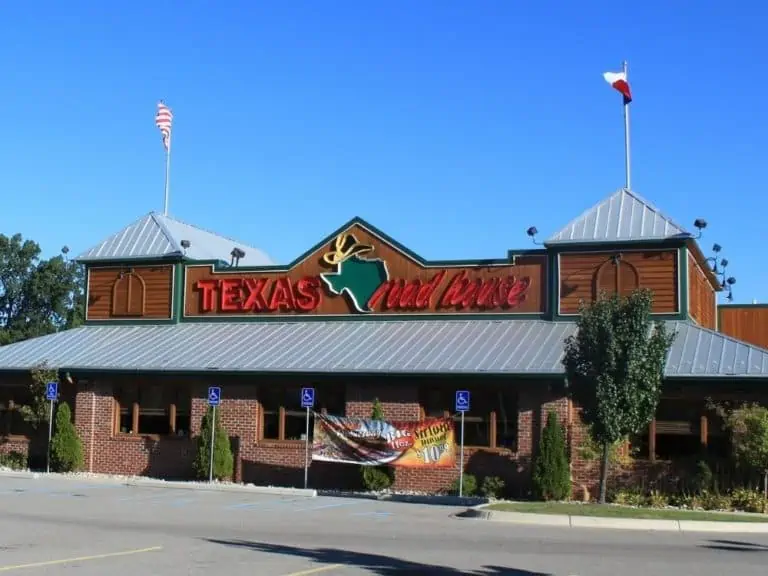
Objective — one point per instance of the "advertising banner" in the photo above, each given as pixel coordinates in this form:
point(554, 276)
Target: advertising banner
point(420, 444)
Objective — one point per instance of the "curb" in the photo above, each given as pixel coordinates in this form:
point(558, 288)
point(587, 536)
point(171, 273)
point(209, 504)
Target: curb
point(644, 524)
point(177, 485)
point(466, 501)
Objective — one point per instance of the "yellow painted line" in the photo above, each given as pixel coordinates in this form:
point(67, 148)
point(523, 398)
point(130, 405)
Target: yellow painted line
point(78, 559)
point(315, 570)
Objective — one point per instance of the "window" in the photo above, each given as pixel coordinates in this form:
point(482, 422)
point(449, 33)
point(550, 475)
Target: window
point(12, 422)
point(676, 432)
point(283, 418)
point(159, 409)
point(491, 422)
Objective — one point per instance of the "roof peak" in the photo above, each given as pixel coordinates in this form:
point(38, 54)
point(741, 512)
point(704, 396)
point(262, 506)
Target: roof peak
point(155, 235)
point(624, 216)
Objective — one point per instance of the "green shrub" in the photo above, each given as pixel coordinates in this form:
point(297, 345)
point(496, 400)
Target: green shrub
point(703, 479)
point(715, 501)
point(629, 497)
point(657, 499)
point(493, 487)
point(551, 474)
point(746, 500)
point(14, 460)
point(377, 478)
point(66, 447)
point(690, 501)
point(223, 459)
point(469, 487)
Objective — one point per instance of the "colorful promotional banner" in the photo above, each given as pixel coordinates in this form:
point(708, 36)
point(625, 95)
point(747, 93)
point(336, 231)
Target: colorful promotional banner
point(420, 444)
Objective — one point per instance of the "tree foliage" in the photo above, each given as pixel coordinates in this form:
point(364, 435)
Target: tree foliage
point(37, 411)
point(551, 472)
point(223, 459)
point(377, 478)
point(748, 427)
point(66, 446)
point(615, 367)
point(37, 296)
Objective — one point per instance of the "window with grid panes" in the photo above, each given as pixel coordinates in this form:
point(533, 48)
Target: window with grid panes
point(155, 409)
point(283, 418)
point(491, 421)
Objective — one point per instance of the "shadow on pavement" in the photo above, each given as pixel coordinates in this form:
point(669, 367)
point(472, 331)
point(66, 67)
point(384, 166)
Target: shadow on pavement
point(735, 546)
point(375, 563)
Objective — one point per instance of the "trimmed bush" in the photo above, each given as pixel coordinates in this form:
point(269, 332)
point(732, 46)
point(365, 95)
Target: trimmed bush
point(493, 487)
point(551, 473)
point(13, 460)
point(66, 447)
point(223, 460)
point(377, 478)
point(469, 487)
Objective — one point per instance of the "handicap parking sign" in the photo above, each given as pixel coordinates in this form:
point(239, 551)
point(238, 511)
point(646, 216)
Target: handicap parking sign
point(462, 401)
point(307, 397)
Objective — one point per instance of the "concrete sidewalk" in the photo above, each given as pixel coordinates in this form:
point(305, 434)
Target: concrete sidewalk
point(568, 521)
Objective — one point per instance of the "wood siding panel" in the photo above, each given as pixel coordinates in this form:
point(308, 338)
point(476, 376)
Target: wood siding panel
point(303, 284)
point(141, 292)
point(701, 296)
point(581, 274)
point(746, 323)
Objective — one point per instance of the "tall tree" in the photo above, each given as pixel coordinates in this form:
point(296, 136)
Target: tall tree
point(615, 367)
point(37, 296)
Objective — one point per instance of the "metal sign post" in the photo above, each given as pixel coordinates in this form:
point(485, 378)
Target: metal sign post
point(462, 405)
point(214, 399)
point(308, 402)
point(51, 393)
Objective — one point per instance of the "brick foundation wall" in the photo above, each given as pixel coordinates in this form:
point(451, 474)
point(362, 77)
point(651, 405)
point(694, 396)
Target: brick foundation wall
point(269, 462)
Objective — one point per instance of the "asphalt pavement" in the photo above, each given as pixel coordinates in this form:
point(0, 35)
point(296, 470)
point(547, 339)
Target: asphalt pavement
point(67, 527)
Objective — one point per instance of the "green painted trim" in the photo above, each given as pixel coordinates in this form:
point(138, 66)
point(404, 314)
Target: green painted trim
point(132, 322)
point(218, 267)
point(667, 244)
point(140, 261)
point(527, 252)
point(361, 318)
point(314, 374)
point(553, 273)
point(179, 278)
point(682, 273)
point(743, 306)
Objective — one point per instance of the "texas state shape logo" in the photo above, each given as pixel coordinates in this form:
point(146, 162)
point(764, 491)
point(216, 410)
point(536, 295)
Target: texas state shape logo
point(357, 278)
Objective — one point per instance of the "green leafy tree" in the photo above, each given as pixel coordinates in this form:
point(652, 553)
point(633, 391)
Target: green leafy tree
point(551, 472)
point(37, 296)
point(66, 446)
point(377, 478)
point(615, 367)
point(37, 411)
point(748, 427)
point(223, 459)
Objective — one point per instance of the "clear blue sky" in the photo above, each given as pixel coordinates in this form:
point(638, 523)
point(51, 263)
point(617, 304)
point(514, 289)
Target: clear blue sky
point(451, 125)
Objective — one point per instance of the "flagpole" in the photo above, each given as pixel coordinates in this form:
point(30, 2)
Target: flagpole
point(626, 135)
point(167, 174)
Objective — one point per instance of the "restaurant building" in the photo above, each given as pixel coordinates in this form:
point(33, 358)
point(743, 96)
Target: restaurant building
point(173, 309)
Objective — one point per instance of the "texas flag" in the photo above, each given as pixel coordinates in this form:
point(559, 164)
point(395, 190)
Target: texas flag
point(619, 81)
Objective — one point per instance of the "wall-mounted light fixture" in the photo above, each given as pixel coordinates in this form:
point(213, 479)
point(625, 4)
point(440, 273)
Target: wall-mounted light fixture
point(531, 232)
point(236, 254)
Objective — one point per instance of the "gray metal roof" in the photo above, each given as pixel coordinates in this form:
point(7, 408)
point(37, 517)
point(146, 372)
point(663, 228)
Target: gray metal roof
point(698, 351)
point(414, 346)
point(157, 236)
point(622, 217)
point(408, 346)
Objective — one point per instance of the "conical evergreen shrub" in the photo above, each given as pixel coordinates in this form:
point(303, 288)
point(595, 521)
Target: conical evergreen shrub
point(223, 459)
point(66, 446)
point(551, 473)
point(376, 478)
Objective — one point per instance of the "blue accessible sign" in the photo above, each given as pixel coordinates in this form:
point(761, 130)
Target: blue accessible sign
point(462, 401)
point(52, 390)
point(307, 397)
point(214, 395)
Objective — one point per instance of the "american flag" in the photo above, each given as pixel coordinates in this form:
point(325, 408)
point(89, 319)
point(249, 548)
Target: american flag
point(163, 120)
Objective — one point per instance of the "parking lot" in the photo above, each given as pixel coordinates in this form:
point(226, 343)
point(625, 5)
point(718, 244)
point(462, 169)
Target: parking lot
point(64, 526)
